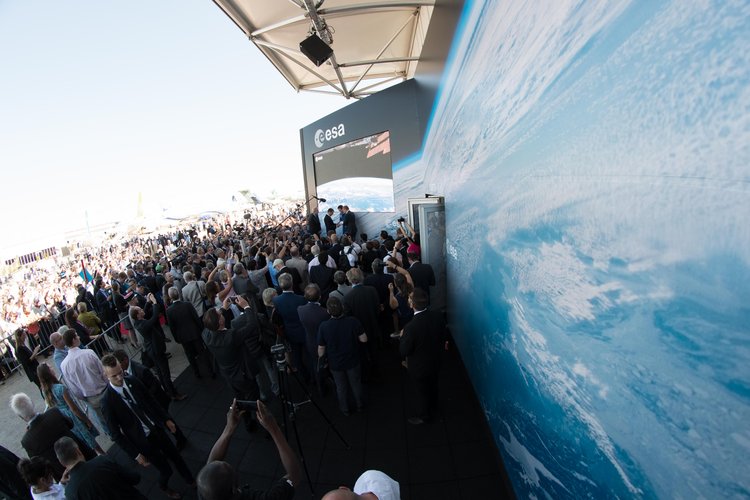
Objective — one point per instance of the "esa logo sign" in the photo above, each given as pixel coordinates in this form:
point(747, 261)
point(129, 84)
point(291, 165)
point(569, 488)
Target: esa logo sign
point(323, 136)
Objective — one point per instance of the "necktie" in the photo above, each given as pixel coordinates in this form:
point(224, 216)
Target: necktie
point(137, 409)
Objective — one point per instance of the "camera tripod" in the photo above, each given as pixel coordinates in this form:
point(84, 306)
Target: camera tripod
point(291, 407)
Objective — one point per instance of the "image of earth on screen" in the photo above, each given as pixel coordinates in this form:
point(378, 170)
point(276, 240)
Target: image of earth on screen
point(357, 174)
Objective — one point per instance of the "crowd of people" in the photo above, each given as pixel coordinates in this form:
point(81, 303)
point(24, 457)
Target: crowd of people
point(241, 295)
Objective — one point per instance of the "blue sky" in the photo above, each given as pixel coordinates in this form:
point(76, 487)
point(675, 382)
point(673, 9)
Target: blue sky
point(102, 100)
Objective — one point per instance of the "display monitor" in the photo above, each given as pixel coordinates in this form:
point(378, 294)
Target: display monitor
point(357, 174)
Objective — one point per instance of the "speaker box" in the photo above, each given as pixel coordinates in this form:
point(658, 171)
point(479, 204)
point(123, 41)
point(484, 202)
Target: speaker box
point(315, 49)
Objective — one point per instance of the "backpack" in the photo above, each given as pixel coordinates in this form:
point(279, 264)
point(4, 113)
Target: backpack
point(343, 264)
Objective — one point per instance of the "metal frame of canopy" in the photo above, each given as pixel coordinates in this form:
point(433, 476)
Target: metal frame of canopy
point(375, 43)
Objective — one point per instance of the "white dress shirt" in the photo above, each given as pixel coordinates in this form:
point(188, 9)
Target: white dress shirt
point(83, 373)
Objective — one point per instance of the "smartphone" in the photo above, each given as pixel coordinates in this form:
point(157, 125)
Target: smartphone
point(247, 405)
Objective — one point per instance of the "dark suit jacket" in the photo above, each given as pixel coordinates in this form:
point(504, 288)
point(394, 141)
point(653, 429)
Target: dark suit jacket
point(422, 342)
point(124, 426)
point(103, 478)
point(43, 431)
point(335, 251)
point(322, 276)
point(350, 224)
point(422, 275)
point(313, 223)
point(153, 335)
point(242, 285)
point(330, 225)
point(227, 347)
point(12, 485)
point(311, 315)
point(380, 283)
point(150, 382)
point(184, 322)
point(296, 278)
point(362, 302)
point(286, 305)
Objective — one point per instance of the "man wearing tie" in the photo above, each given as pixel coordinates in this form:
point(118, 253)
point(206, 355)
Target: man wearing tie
point(136, 423)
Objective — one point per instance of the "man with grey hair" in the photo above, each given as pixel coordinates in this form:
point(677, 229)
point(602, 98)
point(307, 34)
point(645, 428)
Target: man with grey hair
point(58, 343)
point(241, 282)
point(43, 429)
point(330, 262)
point(282, 268)
point(299, 264)
point(194, 292)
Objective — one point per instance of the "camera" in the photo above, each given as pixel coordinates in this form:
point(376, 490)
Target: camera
point(400, 219)
point(278, 352)
point(244, 405)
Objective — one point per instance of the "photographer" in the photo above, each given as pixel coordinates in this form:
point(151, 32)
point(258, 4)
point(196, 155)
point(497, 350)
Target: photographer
point(412, 237)
point(218, 480)
point(227, 346)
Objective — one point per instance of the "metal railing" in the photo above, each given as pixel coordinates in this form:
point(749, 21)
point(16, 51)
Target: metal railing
point(106, 341)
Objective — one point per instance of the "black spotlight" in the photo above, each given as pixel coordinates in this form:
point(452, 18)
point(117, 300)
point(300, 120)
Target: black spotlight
point(315, 49)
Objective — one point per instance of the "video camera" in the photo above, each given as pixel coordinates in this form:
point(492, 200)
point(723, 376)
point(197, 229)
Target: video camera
point(278, 351)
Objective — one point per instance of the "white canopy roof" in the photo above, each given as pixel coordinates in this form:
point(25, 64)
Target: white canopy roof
point(375, 43)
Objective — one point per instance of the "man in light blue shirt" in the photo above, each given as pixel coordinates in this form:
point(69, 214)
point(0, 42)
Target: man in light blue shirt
point(56, 339)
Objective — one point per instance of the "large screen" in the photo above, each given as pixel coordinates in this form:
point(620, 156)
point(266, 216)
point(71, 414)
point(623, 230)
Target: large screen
point(357, 174)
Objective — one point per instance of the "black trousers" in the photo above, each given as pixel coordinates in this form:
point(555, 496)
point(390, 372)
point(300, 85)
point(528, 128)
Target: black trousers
point(194, 349)
point(427, 395)
point(161, 365)
point(163, 452)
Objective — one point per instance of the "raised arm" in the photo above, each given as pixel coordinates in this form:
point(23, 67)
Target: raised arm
point(289, 459)
point(219, 450)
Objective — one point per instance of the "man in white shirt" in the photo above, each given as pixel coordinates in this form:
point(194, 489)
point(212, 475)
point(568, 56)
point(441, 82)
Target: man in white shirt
point(84, 375)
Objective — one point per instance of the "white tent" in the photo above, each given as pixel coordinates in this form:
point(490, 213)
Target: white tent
point(375, 43)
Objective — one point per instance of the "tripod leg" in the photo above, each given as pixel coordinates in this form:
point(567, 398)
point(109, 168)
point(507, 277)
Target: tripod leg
point(321, 412)
point(283, 393)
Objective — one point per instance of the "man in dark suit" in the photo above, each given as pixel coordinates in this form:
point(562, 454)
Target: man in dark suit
point(146, 377)
point(43, 430)
point(186, 329)
point(136, 422)
point(363, 303)
point(12, 485)
point(350, 222)
point(286, 305)
point(328, 221)
point(421, 274)
point(311, 315)
point(154, 343)
point(313, 221)
point(380, 281)
point(421, 344)
point(336, 248)
point(228, 348)
point(98, 478)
